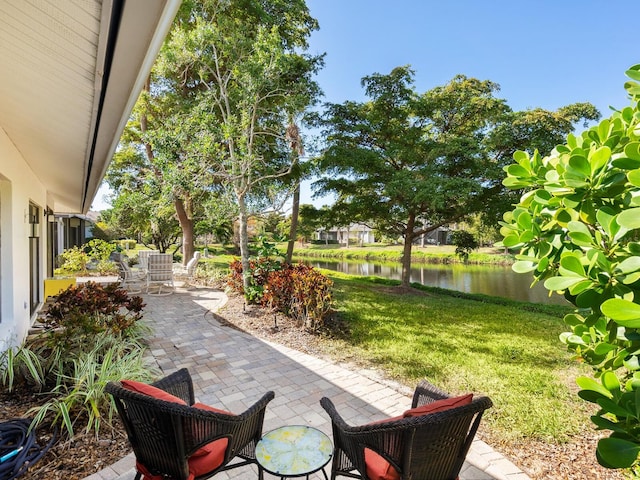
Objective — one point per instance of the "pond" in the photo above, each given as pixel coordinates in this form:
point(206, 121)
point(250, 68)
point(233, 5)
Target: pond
point(497, 281)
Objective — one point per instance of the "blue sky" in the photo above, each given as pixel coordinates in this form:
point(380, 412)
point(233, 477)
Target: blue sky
point(542, 53)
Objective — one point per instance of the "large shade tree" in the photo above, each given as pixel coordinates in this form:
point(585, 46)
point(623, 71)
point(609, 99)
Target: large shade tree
point(244, 61)
point(407, 163)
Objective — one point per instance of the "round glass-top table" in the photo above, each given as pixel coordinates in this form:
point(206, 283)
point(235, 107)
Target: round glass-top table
point(294, 451)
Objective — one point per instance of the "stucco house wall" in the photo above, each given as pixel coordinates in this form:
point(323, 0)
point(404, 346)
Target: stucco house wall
point(19, 186)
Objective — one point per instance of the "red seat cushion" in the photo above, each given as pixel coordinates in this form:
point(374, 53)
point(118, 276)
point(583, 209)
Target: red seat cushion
point(204, 460)
point(378, 468)
point(439, 405)
point(150, 390)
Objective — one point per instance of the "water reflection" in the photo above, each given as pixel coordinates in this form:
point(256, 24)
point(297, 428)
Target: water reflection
point(486, 279)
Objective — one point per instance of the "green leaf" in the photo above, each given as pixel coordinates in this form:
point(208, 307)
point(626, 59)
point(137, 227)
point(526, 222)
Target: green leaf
point(626, 163)
point(560, 283)
point(634, 177)
point(604, 348)
point(633, 72)
point(580, 287)
point(571, 266)
point(590, 396)
point(632, 150)
point(587, 383)
point(522, 158)
point(617, 452)
point(629, 218)
point(610, 381)
point(606, 219)
point(600, 157)
point(629, 265)
point(580, 166)
point(581, 239)
point(511, 240)
point(606, 424)
point(523, 267)
point(588, 299)
point(518, 171)
point(612, 407)
point(624, 312)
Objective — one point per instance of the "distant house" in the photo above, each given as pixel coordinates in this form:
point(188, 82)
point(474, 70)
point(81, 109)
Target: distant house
point(354, 234)
point(71, 74)
point(359, 234)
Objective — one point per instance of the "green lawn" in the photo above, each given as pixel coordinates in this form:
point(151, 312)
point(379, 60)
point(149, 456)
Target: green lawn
point(504, 349)
point(461, 345)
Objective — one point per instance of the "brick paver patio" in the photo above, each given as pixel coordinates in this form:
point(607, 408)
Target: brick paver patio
point(232, 369)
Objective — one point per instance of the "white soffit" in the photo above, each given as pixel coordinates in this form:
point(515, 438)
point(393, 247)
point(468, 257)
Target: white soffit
point(53, 54)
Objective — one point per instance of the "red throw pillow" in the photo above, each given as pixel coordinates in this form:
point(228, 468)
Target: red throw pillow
point(378, 468)
point(439, 405)
point(151, 391)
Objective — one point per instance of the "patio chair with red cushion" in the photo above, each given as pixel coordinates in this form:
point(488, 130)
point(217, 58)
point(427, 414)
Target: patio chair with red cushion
point(429, 441)
point(173, 437)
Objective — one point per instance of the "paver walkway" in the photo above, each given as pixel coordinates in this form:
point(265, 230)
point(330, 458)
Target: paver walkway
point(232, 369)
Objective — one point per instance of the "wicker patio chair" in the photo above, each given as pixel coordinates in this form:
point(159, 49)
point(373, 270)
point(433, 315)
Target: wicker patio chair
point(429, 446)
point(173, 437)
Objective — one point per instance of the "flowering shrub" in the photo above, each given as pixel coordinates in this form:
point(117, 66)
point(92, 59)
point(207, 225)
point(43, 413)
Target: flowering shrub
point(298, 291)
point(309, 299)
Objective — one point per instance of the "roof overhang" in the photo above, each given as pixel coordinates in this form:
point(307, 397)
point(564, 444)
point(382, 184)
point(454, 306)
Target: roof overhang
point(72, 72)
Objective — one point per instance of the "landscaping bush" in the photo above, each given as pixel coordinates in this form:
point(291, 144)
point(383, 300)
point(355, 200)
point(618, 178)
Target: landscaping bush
point(72, 261)
point(577, 227)
point(127, 244)
point(75, 260)
point(91, 336)
point(300, 292)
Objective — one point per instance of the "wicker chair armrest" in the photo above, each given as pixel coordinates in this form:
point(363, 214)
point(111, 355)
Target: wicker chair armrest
point(179, 384)
point(336, 418)
point(383, 438)
point(427, 393)
point(205, 426)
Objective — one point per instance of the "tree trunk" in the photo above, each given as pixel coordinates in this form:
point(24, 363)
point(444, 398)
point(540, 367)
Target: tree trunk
point(293, 229)
point(406, 251)
point(244, 244)
point(186, 224)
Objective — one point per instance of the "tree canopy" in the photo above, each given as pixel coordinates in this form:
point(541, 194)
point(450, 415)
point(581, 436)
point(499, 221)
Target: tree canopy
point(408, 163)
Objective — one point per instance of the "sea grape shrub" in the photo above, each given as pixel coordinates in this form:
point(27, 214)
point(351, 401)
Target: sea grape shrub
point(577, 227)
point(91, 308)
